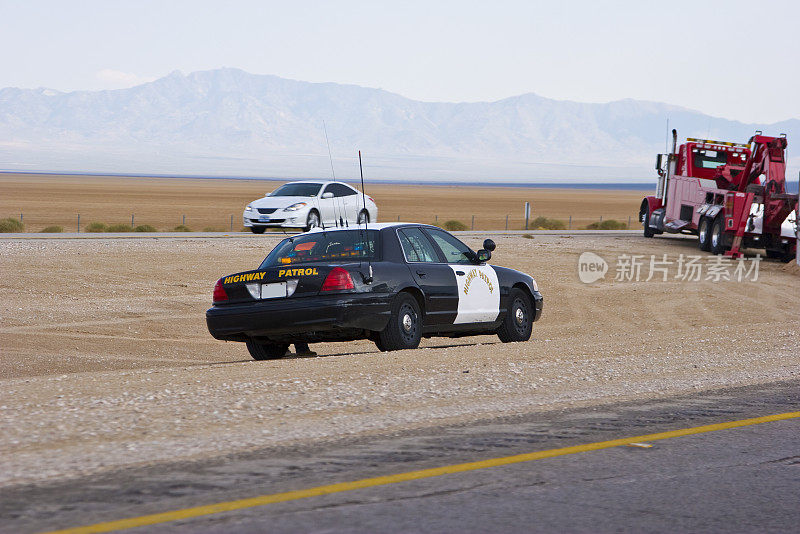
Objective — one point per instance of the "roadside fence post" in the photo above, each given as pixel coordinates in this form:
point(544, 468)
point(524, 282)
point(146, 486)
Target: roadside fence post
point(131, 220)
point(398, 218)
point(629, 222)
point(20, 217)
point(436, 220)
point(601, 218)
point(231, 222)
point(473, 222)
point(570, 223)
point(527, 213)
point(79, 223)
point(184, 220)
point(506, 221)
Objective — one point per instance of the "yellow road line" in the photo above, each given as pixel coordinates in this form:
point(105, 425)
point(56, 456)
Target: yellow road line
point(229, 506)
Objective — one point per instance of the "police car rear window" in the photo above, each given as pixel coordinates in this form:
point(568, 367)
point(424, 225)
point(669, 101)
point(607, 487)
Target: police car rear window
point(324, 247)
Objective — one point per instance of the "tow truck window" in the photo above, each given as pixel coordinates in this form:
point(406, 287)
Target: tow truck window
point(296, 190)
point(324, 247)
point(708, 159)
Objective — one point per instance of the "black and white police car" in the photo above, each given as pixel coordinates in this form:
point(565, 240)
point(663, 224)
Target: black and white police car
point(391, 283)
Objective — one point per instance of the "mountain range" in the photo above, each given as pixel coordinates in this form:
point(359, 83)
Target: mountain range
point(227, 122)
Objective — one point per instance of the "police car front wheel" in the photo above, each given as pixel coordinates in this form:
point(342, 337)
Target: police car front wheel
point(518, 324)
point(404, 330)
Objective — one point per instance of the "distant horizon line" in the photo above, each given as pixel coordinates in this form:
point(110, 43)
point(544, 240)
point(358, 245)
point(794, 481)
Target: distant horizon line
point(791, 186)
point(625, 185)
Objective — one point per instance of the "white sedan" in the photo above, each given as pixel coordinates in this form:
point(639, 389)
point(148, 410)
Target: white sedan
point(310, 204)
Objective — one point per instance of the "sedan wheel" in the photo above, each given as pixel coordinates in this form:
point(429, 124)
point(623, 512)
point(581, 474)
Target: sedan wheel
point(312, 221)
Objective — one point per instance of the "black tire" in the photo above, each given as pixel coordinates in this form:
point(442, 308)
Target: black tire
point(718, 237)
point(379, 343)
point(312, 221)
point(363, 217)
point(404, 330)
point(518, 323)
point(783, 257)
point(266, 351)
point(648, 232)
point(704, 234)
point(258, 229)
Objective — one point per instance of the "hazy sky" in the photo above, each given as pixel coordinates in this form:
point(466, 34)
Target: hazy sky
point(738, 60)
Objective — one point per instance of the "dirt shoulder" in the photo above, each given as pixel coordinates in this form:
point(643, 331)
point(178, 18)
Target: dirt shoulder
point(106, 361)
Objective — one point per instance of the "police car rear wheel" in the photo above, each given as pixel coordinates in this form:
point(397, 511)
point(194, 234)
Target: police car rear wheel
point(517, 325)
point(404, 330)
point(266, 351)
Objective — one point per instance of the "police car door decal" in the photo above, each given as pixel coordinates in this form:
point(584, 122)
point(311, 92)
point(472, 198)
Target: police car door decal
point(478, 294)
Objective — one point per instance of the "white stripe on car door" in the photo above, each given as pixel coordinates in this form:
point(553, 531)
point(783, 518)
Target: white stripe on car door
point(478, 294)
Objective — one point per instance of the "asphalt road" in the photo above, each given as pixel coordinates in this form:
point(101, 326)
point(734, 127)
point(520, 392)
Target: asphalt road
point(743, 479)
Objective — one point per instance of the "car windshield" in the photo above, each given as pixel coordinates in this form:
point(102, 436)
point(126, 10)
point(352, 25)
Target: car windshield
point(296, 190)
point(324, 247)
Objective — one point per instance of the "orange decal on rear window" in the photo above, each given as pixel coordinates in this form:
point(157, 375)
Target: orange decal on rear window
point(305, 246)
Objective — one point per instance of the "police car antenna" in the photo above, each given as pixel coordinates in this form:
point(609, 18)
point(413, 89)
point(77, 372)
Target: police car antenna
point(366, 217)
point(338, 219)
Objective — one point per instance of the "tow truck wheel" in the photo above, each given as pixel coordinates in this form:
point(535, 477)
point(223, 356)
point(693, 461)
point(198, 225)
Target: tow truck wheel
point(404, 330)
point(718, 237)
point(517, 325)
point(648, 232)
point(783, 257)
point(704, 234)
point(266, 351)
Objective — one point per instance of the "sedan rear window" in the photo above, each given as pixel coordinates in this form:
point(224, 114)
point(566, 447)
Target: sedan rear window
point(324, 247)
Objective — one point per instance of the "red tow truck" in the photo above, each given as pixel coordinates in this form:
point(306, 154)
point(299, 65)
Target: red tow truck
point(731, 195)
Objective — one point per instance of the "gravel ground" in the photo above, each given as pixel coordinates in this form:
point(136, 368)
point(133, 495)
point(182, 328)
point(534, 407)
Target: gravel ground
point(106, 361)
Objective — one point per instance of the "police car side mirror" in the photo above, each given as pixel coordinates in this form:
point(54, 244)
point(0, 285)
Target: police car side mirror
point(489, 245)
point(327, 194)
point(483, 256)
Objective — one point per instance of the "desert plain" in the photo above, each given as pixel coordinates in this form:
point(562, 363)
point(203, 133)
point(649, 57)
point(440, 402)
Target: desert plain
point(217, 204)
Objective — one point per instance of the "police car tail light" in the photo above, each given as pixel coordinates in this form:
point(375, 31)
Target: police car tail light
point(219, 292)
point(337, 279)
